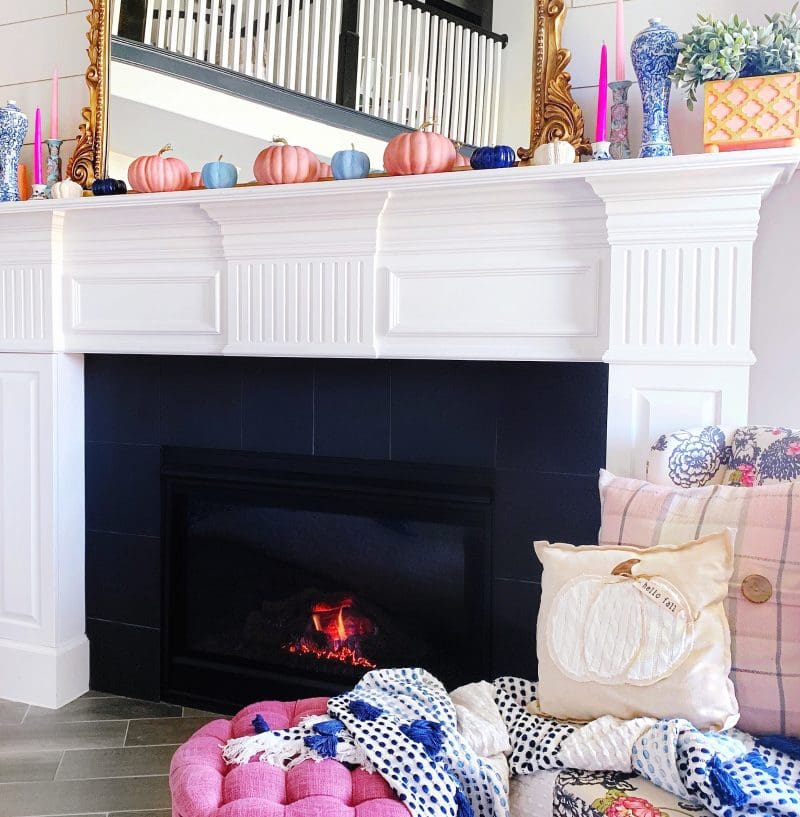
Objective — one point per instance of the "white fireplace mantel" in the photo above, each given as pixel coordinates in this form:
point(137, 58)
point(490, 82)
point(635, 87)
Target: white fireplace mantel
point(643, 264)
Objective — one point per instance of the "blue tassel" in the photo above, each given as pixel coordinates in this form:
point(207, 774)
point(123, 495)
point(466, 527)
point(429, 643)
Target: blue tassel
point(780, 743)
point(259, 724)
point(325, 742)
point(756, 760)
point(428, 733)
point(725, 786)
point(364, 711)
point(464, 807)
point(331, 727)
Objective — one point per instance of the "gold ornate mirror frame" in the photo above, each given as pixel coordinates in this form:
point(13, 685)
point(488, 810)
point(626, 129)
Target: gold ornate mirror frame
point(554, 113)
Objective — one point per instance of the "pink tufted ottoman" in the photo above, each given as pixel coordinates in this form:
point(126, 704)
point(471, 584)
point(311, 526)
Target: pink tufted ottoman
point(203, 785)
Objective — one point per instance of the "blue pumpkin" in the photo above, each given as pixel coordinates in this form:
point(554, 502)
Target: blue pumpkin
point(109, 187)
point(219, 174)
point(489, 157)
point(350, 164)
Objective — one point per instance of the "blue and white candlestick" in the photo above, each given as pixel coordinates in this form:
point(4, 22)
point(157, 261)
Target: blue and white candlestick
point(600, 151)
point(53, 163)
point(620, 139)
point(654, 53)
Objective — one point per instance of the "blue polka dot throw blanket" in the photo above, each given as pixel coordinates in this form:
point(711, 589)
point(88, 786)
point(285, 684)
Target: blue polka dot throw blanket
point(402, 724)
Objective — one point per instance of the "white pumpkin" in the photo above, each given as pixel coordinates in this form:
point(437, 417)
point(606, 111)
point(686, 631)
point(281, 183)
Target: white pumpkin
point(619, 629)
point(67, 189)
point(556, 152)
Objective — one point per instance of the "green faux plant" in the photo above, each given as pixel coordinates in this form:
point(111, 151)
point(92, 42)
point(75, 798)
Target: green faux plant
point(715, 49)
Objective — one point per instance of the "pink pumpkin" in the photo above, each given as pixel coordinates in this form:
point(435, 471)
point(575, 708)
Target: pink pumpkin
point(325, 171)
point(286, 164)
point(408, 154)
point(159, 174)
point(197, 180)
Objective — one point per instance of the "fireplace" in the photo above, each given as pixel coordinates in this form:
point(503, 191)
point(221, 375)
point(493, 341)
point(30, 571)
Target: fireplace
point(395, 449)
point(304, 573)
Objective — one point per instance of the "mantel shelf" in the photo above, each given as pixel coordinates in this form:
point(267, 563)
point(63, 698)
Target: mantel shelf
point(645, 173)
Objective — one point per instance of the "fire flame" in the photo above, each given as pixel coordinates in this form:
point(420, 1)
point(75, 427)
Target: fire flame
point(335, 634)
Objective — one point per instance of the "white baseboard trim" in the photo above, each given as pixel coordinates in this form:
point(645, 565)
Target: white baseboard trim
point(44, 676)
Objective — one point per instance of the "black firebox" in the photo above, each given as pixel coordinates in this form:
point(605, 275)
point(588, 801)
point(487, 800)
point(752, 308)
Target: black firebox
point(292, 576)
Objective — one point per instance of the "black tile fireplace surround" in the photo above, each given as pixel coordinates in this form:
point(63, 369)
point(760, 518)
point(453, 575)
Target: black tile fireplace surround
point(536, 429)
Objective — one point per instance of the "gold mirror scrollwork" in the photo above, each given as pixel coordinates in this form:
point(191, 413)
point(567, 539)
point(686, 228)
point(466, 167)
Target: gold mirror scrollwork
point(554, 112)
point(88, 161)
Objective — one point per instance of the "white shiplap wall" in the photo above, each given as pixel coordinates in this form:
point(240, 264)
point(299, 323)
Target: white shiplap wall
point(35, 37)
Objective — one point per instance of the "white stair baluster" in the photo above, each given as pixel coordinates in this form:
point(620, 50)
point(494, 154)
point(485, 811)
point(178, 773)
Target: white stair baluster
point(498, 61)
point(429, 110)
point(174, 21)
point(417, 82)
point(391, 47)
point(405, 77)
point(464, 101)
point(148, 21)
point(479, 89)
point(487, 94)
point(237, 35)
point(201, 35)
point(213, 33)
point(396, 63)
point(225, 34)
point(333, 68)
point(366, 67)
point(315, 87)
point(473, 82)
point(188, 27)
point(440, 76)
point(305, 46)
point(454, 116)
point(283, 41)
point(294, 43)
point(377, 67)
point(259, 56)
point(270, 56)
point(448, 80)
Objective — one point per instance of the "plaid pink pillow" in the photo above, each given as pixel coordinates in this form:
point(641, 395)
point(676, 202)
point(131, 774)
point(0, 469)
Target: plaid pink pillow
point(765, 635)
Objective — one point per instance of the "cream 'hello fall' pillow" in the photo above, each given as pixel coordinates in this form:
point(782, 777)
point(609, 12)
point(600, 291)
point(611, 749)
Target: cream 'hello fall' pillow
point(630, 632)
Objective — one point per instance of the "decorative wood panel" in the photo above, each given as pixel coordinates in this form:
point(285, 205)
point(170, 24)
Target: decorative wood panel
point(20, 501)
point(312, 307)
point(24, 310)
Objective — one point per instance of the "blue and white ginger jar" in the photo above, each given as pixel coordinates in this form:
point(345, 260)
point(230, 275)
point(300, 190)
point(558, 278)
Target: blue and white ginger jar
point(654, 53)
point(13, 127)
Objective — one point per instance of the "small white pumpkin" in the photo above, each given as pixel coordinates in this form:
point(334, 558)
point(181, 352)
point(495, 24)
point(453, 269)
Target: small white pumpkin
point(620, 629)
point(556, 152)
point(67, 189)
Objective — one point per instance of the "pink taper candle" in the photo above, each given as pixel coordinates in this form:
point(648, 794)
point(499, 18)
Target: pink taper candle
point(620, 52)
point(54, 107)
point(37, 148)
point(602, 97)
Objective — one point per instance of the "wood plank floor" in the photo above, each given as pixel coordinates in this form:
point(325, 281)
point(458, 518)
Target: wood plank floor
point(100, 755)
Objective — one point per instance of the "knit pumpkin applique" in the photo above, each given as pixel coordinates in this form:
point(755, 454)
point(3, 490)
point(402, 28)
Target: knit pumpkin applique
point(620, 628)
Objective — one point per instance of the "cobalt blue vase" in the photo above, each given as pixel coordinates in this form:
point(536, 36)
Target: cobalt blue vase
point(654, 53)
point(13, 127)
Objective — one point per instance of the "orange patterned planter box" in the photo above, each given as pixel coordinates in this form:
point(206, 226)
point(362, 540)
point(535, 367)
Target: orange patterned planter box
point(752, 112)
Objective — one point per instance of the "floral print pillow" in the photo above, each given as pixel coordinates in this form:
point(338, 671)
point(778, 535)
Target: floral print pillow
point(690, 458)
point(615, 794)
point(761, 455)
point(747, 456)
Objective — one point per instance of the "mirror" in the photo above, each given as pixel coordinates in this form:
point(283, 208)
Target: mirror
point(224, 77)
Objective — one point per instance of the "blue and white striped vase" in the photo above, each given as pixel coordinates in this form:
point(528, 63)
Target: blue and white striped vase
point(13, 127)
point(654, 53)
